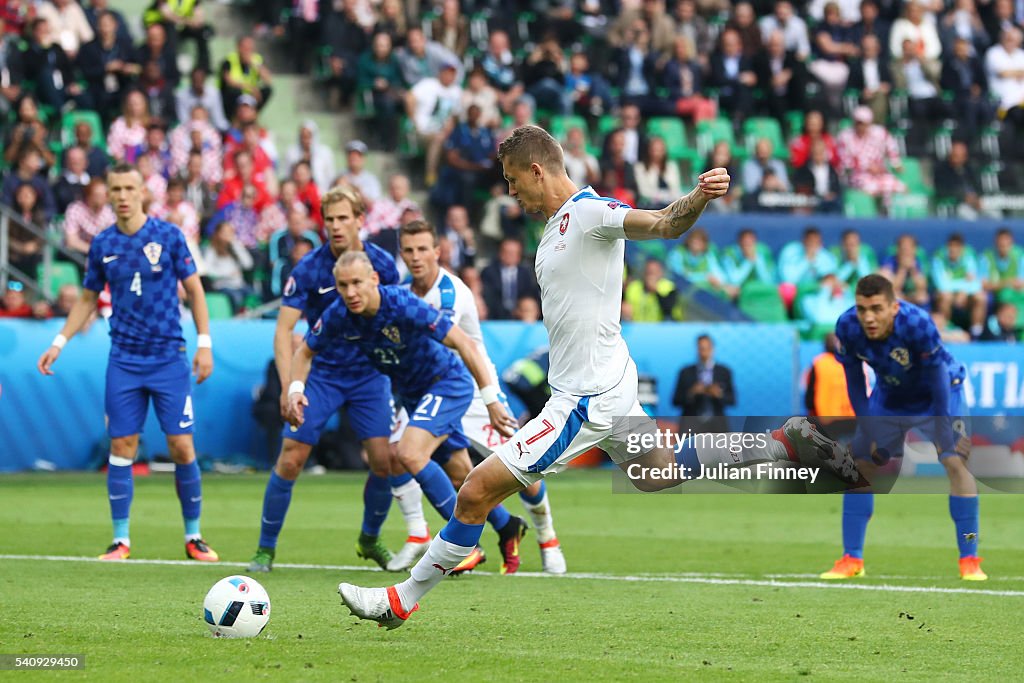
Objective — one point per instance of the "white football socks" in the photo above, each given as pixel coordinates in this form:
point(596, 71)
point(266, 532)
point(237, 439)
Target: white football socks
point(540, 516)
point(441, 557)
point(410, 501)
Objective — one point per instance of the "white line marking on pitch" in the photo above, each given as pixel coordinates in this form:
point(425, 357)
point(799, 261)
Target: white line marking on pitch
point(649, 578)
point(883, 577)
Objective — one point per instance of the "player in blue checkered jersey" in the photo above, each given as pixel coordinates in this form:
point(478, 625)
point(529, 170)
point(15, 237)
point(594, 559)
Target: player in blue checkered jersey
point(405, 338)
point(143, 260)
point(918, 385)
point(342, 376)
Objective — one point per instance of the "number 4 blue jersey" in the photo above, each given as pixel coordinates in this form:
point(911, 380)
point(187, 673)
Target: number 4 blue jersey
point(403, 340)
point(143, 271)
point(902, 361)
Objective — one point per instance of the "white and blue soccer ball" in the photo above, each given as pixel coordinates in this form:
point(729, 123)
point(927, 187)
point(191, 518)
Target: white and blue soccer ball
point(236, 607)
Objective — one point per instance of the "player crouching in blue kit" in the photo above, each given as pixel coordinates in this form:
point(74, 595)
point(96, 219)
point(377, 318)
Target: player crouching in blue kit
point(405, 338)
point(918, 385)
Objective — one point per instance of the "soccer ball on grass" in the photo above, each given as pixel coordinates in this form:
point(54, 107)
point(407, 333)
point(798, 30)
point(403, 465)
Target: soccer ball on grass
point(236, 607)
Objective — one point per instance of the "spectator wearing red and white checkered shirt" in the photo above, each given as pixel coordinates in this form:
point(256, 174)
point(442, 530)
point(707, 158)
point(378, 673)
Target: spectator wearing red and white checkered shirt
point(128, 132)
point(197, 133)
point(387, 211)
point(86, 218)
point(178, 210)
point(864, 150)
point(275, 216)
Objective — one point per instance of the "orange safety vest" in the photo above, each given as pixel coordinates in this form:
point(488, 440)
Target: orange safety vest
point(830, 397)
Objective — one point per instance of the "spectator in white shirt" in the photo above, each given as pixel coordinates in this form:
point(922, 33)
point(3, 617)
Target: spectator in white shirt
point(357, 175)
point(319, 156)
point(69, 24)
point(207, 95)
point(792, 27)
point(1004, 64)
point(918, 27)
point(431, 104)
point(227, 261)
point(581, 166)
point(657, 176)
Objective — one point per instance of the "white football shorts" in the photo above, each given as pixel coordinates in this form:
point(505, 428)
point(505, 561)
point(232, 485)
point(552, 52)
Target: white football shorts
point(570, 425)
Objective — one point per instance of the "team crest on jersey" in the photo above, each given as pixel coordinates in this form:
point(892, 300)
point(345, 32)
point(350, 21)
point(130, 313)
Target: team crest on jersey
point(614, 205)
point(900, 355)
point(152, 252)
point(564, 224)
point(391, 332)
point(289, 286)
point(319, 327)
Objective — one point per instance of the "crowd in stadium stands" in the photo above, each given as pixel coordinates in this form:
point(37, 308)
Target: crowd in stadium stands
point(862, 107)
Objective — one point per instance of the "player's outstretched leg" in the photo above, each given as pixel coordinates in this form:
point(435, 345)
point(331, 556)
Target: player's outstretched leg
point(796, 441)
point(488, 484)
point(120, 489)
point(276, 499)
point(857, 511)
point(188, 483)
point(538, 505)
point(409, 496)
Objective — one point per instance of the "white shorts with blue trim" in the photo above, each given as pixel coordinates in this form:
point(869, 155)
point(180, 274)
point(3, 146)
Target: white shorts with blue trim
point(570, 425)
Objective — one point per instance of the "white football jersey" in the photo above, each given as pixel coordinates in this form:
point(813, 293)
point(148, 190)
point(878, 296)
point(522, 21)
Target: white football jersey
point(580, 262)
point(453, 296)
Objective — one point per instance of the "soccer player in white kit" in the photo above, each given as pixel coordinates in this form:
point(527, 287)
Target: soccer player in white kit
point(418, 247)
point(593, 380)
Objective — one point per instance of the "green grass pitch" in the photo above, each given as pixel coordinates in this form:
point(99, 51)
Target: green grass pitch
point(666, 587)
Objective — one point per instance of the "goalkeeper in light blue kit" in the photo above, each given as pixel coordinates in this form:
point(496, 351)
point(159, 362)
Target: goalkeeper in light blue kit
point(919, 385)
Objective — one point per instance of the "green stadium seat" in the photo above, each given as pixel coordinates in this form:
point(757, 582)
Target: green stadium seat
point(559, 126)
point(1011, 296)
point(409, 141)
point(606, 124)
point(762, 302)
point(817, 331)
point(857, 204)
point(673, 132)
point(795, 122)
point(71, 119)
point(252, 301)
point(363, 100)
point(912, 176)
point(758, 127)
point(909, 205)
point(712, 131)
point(219, 306)
point(62, 273)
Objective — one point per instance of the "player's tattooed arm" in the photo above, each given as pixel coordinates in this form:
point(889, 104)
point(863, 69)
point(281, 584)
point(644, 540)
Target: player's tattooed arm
point(681, 215)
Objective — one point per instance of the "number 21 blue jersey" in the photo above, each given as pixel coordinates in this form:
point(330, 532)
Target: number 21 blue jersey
point(403, 340)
